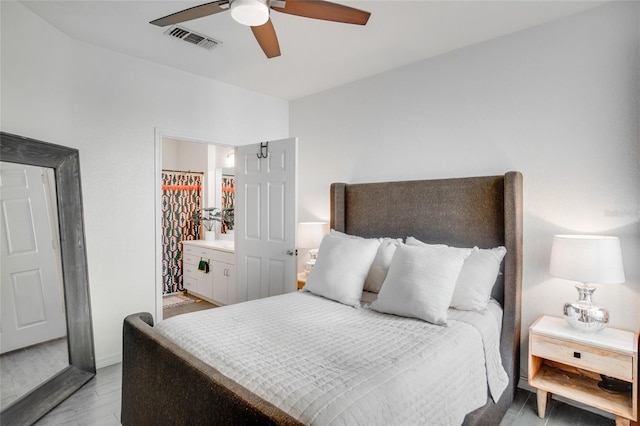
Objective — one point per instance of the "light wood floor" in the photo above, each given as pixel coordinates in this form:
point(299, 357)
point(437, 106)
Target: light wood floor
point(98, 402)
point(199, 305)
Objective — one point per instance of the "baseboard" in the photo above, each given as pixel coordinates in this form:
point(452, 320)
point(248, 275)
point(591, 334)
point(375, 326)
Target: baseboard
point(109, 360)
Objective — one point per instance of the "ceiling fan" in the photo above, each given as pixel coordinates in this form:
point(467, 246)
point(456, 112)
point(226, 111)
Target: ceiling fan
point(255, 13)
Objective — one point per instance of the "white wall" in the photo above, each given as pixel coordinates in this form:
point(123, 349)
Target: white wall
point(560, 103)
point(185, 156)
point(108, 106)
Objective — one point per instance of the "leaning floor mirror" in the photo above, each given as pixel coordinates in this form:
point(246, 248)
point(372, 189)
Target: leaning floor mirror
point(62, 163)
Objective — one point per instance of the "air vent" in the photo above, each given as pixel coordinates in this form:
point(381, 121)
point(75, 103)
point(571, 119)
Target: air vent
point(192, 37)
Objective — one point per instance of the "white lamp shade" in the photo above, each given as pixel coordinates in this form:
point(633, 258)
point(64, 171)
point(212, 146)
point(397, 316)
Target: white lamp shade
point(310, 234)
point(587, 258)
point(250, 12)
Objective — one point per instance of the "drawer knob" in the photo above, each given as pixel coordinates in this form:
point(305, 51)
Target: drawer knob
point(577, 355)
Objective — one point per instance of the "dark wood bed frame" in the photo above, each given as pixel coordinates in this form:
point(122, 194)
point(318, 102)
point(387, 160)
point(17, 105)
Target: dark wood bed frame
point(162, 384)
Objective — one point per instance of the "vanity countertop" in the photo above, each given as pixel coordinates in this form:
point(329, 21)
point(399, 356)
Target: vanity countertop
point(224, 245)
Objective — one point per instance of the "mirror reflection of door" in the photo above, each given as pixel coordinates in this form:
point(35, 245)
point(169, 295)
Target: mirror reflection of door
point(33, 324)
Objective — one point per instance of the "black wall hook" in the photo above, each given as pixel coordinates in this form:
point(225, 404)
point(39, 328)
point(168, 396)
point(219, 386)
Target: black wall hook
point(264, 150)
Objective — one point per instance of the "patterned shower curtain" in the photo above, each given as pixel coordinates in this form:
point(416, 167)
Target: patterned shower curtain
point(181, 198)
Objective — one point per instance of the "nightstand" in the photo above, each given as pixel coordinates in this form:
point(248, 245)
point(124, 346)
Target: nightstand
point(302, 279)
point(567, 362)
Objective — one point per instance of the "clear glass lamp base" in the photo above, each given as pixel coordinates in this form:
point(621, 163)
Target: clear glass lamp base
point(308, 265)
point(585, 315)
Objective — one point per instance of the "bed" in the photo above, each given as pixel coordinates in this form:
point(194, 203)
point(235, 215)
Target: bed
point(166, 380)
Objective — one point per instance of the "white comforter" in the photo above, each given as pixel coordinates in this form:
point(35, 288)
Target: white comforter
point(325, 363)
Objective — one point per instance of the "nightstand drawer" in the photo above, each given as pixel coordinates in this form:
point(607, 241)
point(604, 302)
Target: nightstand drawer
point(599, 360)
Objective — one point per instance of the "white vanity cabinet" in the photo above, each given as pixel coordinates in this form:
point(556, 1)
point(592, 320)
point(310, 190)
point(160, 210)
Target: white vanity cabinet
point(222, 277)
point(219, 284)
point(193, 280)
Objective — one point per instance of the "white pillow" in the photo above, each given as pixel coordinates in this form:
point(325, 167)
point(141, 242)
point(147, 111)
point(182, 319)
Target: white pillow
point(341, 268)
point(411, 241)
point(380, 265)
point(420, 283)
point(477, 277)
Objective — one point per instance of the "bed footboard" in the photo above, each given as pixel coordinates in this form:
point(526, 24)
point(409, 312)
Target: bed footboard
point(162, 384)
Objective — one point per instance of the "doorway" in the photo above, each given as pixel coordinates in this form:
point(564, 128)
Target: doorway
point(194, 164)
point(274, 247)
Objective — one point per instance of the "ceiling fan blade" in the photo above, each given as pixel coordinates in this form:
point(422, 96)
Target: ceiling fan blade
point(192, 13)
point(267, 39)
point(327, 11)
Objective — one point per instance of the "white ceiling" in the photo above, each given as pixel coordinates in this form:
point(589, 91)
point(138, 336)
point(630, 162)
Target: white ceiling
point(316, 55)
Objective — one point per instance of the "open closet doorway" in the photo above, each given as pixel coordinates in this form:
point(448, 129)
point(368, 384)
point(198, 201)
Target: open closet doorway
point(194, 179)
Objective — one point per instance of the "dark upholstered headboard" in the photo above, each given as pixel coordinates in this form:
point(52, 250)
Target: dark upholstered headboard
point(463, 212)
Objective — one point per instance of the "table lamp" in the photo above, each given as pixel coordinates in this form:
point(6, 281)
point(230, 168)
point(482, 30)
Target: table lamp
point(587, 259)
point(310, 236)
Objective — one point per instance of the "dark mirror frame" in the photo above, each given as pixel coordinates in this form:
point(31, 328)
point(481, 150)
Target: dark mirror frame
point(82, 367)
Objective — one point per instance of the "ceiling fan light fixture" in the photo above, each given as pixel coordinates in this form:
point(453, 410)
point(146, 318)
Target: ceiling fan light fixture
point(253, 13)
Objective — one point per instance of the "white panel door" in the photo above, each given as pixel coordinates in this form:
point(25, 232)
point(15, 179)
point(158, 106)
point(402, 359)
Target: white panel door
point(266, 217)
point(30, 287)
